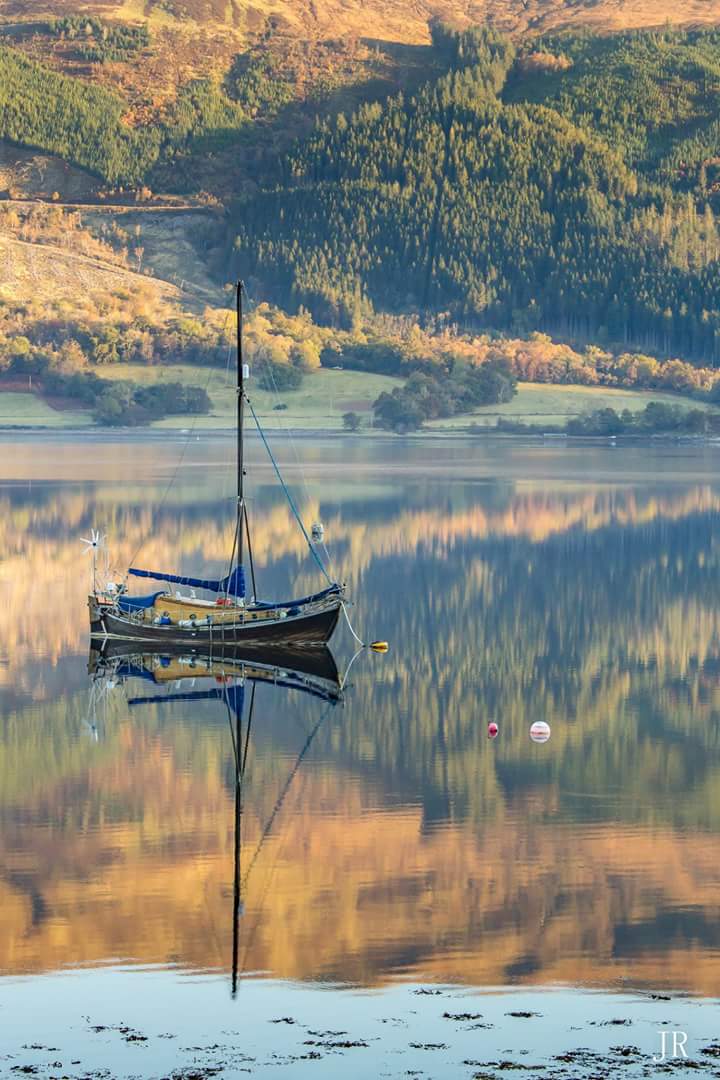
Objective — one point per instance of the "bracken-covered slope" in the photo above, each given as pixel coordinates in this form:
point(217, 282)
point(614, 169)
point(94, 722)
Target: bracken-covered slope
point(387, 20)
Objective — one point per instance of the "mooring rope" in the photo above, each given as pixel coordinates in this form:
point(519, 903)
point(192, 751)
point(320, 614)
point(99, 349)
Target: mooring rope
point(360, 642)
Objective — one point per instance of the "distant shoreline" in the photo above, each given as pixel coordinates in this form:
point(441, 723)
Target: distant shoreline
point(155, 434)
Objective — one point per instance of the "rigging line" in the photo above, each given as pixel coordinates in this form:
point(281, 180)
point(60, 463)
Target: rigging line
point(211, 922)
point(288, 431)
point(249, 937)
point(230, 350)
point(289, 497)
point(328, 556)
point(248, 730)
point(283, 794)
point(239, 767)
point(232, 733)
point(226, 386)
point(250, 553)
point(232, 556)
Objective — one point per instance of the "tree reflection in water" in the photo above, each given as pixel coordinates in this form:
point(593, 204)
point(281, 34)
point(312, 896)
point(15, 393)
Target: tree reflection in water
point(408, 843)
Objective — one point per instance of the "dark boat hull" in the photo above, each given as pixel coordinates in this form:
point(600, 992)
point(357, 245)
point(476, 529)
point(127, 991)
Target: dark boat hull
point(314, 628)
point(314, 661)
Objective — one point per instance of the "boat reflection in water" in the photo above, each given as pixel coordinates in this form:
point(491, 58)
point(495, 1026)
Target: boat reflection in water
point(228, 672)
point(309, 668)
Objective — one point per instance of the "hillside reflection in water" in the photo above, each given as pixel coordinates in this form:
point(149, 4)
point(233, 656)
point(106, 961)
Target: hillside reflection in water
point(575, 586)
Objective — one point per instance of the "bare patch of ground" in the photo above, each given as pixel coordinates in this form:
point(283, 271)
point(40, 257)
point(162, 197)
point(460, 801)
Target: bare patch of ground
point(28, 174)
point(49, 273)
point(166, 240)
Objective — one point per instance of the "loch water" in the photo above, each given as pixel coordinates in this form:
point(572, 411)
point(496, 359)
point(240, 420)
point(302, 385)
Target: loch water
point(394, 858)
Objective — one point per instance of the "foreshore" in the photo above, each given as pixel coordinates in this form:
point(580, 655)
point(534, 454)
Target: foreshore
point(122, 1022)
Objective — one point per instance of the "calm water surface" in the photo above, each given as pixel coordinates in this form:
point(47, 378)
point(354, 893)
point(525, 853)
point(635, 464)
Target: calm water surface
point(385, 840)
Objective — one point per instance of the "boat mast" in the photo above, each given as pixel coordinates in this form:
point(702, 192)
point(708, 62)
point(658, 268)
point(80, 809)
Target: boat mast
point(241, 518)
point(237, 853)
point(240, 750)
point(240, 422)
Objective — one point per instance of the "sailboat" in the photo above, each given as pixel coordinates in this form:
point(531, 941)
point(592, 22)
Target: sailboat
point(229, 615)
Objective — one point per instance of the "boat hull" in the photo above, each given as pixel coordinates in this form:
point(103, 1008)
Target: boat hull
point(313, 661)
point(311, 628)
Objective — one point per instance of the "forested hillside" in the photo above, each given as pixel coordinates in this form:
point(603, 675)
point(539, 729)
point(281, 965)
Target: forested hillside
point(86, 125)
point(501, 194)
point(76, 121)
point(479, 186)
point(654, 97)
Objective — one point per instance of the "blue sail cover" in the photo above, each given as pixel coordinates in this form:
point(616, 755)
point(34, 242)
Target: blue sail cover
point(333, 590)
point(137, 603)
point(233, 584)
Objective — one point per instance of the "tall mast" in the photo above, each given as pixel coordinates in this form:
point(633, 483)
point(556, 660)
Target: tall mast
point(240, 421)
point(236, 859)
point(241, 755)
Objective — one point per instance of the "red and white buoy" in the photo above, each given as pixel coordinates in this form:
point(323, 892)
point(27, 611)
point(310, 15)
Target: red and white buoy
point(540, 731)
point(493, 730)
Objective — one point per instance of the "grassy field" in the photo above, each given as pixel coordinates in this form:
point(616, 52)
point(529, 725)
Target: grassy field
point(542, 405)
point(319, 403)
point(325, 396)
point(27, 410)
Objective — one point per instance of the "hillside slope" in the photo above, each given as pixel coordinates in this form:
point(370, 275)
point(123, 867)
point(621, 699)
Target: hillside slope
point(49, 274)
point(385, 20)
point(495, 208)
point(425, 177)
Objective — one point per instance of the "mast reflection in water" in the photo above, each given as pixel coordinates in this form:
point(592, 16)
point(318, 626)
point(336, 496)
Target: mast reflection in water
point(224, 673)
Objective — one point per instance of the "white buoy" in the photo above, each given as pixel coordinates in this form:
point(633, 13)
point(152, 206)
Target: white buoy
point(318, 532)
point(540, 731)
